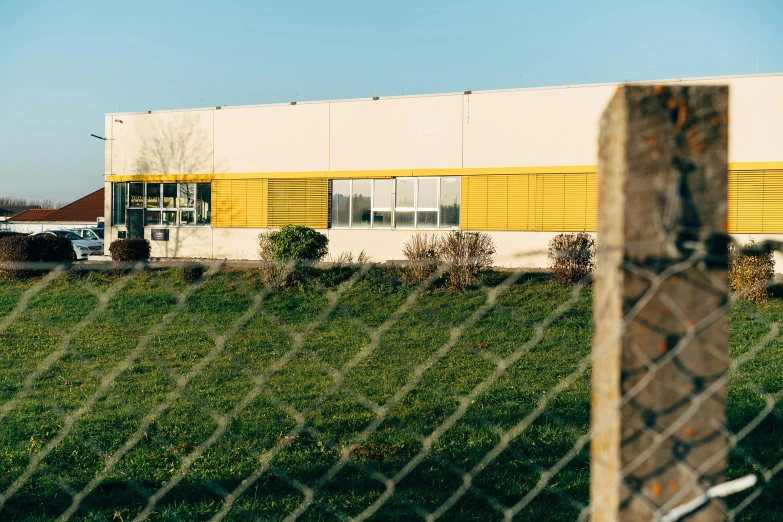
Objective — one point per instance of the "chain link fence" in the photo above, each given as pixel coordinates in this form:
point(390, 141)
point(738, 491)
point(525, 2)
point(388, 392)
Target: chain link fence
point(152, 392)
point(139, 396)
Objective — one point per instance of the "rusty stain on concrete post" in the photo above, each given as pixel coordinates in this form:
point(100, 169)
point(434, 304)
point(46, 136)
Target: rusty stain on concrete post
point(660, 350)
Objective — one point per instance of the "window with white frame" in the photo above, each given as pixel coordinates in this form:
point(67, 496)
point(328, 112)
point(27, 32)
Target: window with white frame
point(422, 202)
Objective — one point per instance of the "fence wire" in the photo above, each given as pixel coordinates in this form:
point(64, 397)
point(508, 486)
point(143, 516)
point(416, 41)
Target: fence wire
point(132, 394)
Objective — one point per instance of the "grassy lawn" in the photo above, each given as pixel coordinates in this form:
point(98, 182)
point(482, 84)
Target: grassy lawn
point(319, 397)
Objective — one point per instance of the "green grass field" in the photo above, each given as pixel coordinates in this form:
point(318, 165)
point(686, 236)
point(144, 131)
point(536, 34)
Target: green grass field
point(187, 393)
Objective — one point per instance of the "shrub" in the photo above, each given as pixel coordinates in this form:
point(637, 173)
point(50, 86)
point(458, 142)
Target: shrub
point(346, 258)
point(292, 243)
point(130, 250)
point(571, 257)
point(751, 274)
point(191, 272)
point(19, 249)
point(422, 252)
point(468, 255)
point(8, 233)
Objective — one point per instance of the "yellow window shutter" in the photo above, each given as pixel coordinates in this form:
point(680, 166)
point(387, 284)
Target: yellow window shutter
point(301, 201)
point(591, 202)
point(221, 203)
point(773, 202)
point(746, 202)
point(473, 214)
point(497, 203)
point(550, 202)
point(521, 202)
point(256, 203)
point(574, 202)
point(238, 203)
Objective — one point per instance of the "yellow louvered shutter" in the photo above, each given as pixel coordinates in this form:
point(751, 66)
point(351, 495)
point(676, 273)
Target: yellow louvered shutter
point(773, 202)
point(521, 202)
point(221, 203)
point(473, 212)
point(238, 203)
point(256, 203)
point(566, 202)
point(497, 203)
point(591, 202)
point(746, 201)
point(297, 202)
point(550, 202)
point(575, 202)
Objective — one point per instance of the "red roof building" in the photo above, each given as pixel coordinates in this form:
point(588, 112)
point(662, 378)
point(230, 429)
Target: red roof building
point(33, 214)
point(86, 211)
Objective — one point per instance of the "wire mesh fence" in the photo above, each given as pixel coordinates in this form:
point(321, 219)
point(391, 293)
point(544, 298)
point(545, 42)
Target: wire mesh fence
point(387, 392)
point(354, 396)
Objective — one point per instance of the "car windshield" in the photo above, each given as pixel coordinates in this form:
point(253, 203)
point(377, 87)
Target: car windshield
point(66, 234)
point(98, 232)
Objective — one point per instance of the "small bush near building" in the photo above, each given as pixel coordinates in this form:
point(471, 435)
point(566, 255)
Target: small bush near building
point(750, 275)
point(422, 252)
point(571, 257)
point(291, 244)
point(8, 233)
point(19, 249)
point(191, 272)
point(126, 250)
point(468, 254)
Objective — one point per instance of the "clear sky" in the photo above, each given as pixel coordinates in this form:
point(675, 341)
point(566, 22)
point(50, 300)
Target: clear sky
point(63, 64)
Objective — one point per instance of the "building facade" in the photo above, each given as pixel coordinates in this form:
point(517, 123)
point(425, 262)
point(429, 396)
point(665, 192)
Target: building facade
point(369, 173)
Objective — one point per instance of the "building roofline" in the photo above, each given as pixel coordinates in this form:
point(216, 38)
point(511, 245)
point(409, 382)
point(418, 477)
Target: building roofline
point(433, 95)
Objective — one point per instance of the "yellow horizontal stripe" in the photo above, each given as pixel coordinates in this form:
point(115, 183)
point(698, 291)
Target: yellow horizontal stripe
point(401, 173)
point(756, 165)
point(342, 174)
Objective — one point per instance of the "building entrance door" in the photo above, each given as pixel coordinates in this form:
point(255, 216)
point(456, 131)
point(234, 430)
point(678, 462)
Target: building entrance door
point(135, 223)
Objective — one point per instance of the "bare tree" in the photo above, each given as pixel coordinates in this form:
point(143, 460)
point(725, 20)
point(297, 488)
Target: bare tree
point(180, 146)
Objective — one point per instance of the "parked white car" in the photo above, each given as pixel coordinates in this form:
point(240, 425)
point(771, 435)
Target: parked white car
point(81, 247)
point(91, 234)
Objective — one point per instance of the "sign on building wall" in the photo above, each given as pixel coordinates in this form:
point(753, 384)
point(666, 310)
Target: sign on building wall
point(160, 234)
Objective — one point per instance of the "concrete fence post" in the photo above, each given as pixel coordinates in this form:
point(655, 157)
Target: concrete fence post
point(660, 352)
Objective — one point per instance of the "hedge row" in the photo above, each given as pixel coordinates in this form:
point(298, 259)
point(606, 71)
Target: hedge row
point(18, 250)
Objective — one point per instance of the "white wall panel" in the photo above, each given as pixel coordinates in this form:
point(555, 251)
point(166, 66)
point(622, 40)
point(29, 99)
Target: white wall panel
point(534, 127)
point(176, 142)
point(755, 118)
point(278, 138)
point(401, 133)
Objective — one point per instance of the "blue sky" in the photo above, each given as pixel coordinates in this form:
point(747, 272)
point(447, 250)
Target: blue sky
point(63, 64)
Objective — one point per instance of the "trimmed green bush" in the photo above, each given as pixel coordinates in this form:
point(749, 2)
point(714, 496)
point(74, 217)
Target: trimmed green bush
point(7, 233)
point(130, 250)
point(292, 243)
point(571, 257)
point(18, 249)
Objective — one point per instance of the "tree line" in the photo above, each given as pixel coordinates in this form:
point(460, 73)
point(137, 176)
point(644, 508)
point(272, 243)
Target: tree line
point(11, 201)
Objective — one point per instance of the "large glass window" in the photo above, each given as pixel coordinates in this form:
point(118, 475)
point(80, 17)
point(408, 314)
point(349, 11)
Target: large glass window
point(135, 195)
point(382, 203)
point(361, 196)
point(168, 204)
point(203, 203)
point(449, 202)
point(153, 195)
point(119, 202)
point(341, 203)
point(425, 202)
